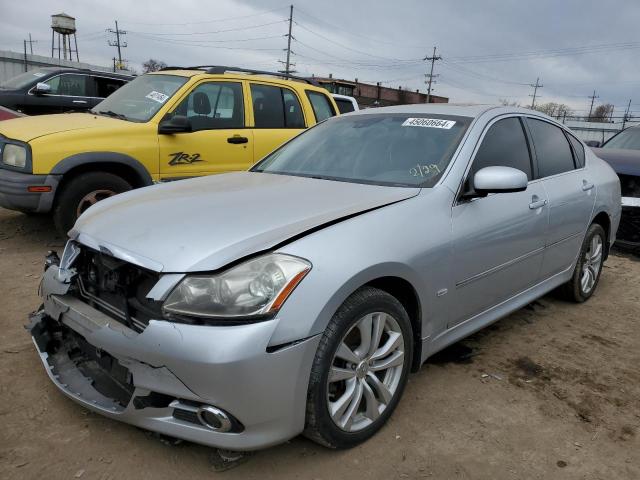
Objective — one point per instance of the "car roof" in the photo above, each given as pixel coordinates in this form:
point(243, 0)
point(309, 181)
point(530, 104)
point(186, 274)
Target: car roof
point(236, 75)
point(472, 110)
point(85, 70)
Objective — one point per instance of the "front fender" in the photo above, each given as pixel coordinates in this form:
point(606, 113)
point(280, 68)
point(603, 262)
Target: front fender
point(85, 158)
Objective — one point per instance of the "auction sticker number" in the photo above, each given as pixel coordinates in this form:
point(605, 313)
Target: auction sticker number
point(428, 123)
point(157, 97)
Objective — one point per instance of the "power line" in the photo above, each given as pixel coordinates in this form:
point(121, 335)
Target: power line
point(208, 21)
point(433, 58)
point(211, 32)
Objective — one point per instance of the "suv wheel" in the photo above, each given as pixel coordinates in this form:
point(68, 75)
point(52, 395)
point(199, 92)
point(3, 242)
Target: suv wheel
point(360, 369)
point(82, 192)
point(588, 267)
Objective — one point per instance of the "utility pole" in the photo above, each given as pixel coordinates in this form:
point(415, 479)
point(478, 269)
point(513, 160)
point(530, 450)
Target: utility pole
point(24, 44)
point(117, 43)
point(625, 118)
point(535, 86)
point(592, 97)
point(31, 42)
point(430, 76)
point(287, 64)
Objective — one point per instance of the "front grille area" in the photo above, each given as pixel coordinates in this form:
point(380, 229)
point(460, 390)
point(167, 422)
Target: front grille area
point(116, 288)
point(629, 229)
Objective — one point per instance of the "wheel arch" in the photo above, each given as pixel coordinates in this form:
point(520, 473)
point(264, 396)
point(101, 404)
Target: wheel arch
point(125, 166)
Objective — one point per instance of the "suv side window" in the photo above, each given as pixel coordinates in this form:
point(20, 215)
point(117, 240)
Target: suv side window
point(552, 148)
point(275, 107)
point(322, 108)
point(578, 150)
point(214, 105)
point(103, 86)
point(68, 84)
point(345, 106)
point(504, 145)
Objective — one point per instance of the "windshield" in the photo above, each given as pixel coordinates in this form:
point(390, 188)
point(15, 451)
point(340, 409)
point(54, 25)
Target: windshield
point(627, 140)
point(140, 99)
point(381, 149)
point(24, 79)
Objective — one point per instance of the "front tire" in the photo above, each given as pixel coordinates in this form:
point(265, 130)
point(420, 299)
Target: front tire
point(586, 275)
point(81, 192)
point(360, 369)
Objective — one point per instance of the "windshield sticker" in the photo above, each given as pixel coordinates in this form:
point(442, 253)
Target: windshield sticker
point(157, 97)
point(38, 74)
point(428, 123)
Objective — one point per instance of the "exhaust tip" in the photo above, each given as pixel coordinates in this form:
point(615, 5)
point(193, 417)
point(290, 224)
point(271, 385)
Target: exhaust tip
point(214, 419)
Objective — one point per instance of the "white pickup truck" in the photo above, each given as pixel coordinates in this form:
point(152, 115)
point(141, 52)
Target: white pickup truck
point(345, 103)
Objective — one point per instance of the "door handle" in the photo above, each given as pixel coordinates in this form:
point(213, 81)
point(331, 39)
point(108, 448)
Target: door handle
point(84, 102)
point(236, 139)
point(586, 186)
point(535, 204)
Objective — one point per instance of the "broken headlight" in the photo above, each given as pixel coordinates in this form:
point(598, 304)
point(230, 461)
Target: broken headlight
point(254, 288)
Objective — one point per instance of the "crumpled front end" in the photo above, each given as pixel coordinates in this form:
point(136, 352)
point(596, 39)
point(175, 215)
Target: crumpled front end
point(221, 386)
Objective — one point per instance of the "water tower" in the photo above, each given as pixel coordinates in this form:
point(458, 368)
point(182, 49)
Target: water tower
point(65, 26)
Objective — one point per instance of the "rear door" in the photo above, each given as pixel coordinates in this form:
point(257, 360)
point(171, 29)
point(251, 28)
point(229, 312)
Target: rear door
point(219, 141)
point(570, 190)
point(102, 87)
point(498, 240)
point(277, 117)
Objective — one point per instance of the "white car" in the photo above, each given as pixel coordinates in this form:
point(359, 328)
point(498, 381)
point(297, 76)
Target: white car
point(345, 103)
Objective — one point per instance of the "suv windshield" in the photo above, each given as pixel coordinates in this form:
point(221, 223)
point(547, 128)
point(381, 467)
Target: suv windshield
point(24, 79)
point(140, 99)
point(627, 140)
point(382, 149)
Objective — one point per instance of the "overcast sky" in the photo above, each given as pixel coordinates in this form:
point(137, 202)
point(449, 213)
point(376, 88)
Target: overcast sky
point(491, 49)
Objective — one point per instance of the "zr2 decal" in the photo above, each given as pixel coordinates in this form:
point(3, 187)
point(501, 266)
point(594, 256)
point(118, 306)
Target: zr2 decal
point(181, 158)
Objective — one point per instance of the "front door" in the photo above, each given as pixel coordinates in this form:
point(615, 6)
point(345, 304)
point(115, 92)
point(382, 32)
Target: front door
point(277, 116)
point(218, 142)
point(68, 92)
point(498, 239)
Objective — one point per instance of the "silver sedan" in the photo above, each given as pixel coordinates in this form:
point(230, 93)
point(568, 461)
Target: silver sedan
point(240, 310)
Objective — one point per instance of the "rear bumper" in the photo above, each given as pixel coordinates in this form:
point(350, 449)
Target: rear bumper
point(15, 196)
point(226, 367)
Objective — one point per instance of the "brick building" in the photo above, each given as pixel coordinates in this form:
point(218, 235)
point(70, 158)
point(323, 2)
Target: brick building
point(369, 95)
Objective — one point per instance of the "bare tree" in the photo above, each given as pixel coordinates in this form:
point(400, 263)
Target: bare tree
point(153, 65)
point(506, 103)
point(554, 109)
point(601, 113)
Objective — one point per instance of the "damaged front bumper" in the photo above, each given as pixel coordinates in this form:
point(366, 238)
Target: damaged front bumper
point(221, 386)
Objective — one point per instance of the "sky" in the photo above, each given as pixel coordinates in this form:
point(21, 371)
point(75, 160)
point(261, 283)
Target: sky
point(490, 49)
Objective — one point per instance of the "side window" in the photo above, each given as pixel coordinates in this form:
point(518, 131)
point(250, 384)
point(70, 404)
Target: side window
point(322, 108)
point(69, 85)
point(214, 105)
point(578, 150)
point(552, 148)
point(504, 145)
point(106, 86)
point(345, 106)
point(275, 107)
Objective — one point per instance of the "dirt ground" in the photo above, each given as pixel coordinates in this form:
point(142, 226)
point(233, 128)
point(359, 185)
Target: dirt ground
point(552, 391)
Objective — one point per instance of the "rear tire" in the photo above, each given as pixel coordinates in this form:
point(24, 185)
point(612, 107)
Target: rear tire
point(81, 192)
point(586, 275)
point(367, 377)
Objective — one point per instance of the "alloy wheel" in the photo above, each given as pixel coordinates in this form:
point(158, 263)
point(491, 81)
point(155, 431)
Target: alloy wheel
point(92, 198)
point(591, 265)
point(365, 371)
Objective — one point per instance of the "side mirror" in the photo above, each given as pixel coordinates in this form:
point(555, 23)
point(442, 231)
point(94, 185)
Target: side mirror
point(593, 143)
point(42, 88)
point(499, 180)
point(175, 124)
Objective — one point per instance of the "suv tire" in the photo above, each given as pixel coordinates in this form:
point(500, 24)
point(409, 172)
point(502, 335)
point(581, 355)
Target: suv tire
point(81, 192)
point(353, 387)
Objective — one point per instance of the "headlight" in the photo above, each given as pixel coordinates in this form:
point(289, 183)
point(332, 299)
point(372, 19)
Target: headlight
point(256, 287)
point(14, 155)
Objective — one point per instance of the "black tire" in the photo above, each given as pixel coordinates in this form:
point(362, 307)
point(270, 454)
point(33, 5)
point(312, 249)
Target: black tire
point(572, 290)
point(68, 202)
point(319, 425)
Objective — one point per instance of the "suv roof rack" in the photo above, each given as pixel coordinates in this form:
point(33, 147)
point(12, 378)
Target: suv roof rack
point(219, 69)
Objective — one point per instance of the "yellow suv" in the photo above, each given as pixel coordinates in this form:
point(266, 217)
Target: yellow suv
point(162, 126)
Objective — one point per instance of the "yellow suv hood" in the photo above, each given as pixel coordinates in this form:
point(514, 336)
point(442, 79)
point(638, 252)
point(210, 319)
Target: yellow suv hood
point(29, 128)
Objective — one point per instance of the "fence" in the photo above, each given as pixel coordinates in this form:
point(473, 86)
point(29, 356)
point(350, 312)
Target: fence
point(599, 131)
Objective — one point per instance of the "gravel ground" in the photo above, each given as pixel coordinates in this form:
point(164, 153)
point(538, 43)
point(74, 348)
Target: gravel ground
point(552, 391)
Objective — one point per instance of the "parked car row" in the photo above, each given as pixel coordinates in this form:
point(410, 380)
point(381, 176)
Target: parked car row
point(239, 310)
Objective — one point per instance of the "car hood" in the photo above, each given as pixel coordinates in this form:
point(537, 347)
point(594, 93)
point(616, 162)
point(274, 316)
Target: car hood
point(206, 223)
point(623, 162)
point(30, 128)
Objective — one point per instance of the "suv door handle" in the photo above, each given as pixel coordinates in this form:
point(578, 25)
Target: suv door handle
point(236, 139)
point(536, 203)
point(586, 186)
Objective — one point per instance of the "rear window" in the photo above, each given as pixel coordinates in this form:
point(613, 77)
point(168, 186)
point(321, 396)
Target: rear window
point(322, 108)
point(552, 148)
point(106, 86)
point(344, 106)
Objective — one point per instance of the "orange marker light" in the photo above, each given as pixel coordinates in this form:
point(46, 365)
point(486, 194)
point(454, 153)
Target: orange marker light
point(39, 188)
point(287, 290)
